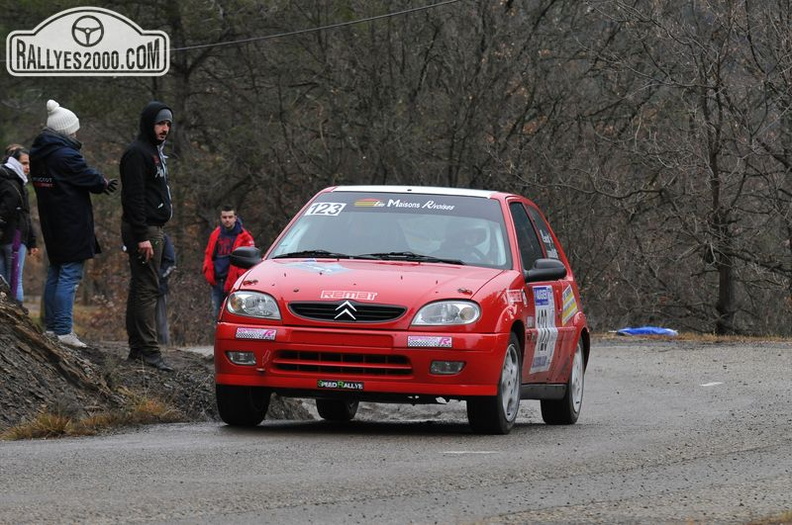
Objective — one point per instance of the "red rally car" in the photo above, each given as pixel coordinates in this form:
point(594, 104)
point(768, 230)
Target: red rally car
point(406, 294)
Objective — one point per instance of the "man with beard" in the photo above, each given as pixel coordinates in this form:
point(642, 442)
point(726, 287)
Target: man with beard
point(146, 202)
point(217, 268)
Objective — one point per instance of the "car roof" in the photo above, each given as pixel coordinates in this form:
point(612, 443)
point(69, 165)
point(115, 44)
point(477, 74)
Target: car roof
point(427, 190)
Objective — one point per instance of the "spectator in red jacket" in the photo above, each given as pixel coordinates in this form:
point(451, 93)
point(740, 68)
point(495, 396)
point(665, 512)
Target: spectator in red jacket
point(217, 267)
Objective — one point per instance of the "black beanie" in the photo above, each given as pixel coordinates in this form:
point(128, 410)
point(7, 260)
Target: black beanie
point(163, 115)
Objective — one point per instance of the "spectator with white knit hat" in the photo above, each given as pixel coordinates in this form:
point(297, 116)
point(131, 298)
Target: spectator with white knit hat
point(64, 182)
point(62, 120)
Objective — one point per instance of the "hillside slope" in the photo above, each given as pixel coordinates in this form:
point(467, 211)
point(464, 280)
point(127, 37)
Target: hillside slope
point(38, 374)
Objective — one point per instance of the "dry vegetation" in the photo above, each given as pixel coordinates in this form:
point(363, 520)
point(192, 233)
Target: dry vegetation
point(47, 424)
point(783, 519)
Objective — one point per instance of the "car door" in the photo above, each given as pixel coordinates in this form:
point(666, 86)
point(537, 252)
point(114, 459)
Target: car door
point(543, 323)
point(566, 301)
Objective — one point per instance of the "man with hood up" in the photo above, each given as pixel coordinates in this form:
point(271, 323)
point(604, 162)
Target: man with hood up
point(146, 202)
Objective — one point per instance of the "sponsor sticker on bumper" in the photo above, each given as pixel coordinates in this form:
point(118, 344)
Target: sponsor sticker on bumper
point(263, 334)
point(426, 341)
point(340, 384)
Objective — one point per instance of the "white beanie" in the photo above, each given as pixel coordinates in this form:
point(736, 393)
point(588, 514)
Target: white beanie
point(61, 119)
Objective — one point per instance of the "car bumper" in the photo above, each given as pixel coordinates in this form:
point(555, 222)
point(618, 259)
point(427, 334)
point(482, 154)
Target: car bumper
point(362, 362)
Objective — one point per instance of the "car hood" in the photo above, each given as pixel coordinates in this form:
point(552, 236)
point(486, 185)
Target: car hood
point(385, 282)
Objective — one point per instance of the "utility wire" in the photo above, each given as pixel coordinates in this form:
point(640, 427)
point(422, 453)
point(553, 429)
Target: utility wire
point(314, 29)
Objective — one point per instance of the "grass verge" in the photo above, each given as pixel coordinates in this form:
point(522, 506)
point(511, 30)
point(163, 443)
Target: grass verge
point(46, 424)
point(783, 519)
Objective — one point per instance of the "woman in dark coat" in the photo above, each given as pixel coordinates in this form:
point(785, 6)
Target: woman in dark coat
point(17, 236)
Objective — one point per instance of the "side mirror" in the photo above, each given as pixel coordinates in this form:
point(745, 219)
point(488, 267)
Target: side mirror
point(546, 270)
point(246, 257)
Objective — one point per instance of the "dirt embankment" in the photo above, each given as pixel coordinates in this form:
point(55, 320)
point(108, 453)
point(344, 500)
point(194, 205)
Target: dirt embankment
point(38, 374)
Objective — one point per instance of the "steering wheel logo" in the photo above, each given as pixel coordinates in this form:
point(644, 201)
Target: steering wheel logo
point(87, 31)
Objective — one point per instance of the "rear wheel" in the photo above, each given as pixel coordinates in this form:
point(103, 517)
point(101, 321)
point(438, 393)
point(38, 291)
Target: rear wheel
point(336, 409)
point(243, 406)
point(565, 411)
point(497, 414)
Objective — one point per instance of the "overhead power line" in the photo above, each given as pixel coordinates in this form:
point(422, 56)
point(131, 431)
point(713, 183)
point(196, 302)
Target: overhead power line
point(315, 29)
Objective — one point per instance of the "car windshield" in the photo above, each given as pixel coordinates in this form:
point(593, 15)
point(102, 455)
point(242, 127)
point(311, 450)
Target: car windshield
point(405, 227)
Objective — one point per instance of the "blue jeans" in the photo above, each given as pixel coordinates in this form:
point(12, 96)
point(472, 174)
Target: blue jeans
point(59, 291)
point(6, 253)
point(218, 296)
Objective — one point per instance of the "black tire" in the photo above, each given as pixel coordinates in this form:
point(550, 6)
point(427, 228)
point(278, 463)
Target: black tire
point(566, 411)
point(336, 409)
point(497, 414)
point(242, 406)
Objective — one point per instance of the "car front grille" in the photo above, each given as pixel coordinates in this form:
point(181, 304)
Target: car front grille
point(342, 363)
point(347, 311)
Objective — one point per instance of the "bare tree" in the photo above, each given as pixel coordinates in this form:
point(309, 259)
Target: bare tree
point(654, 133)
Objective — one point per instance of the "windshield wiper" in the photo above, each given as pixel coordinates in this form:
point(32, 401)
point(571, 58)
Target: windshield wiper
point(313, 253)
point(409, 256)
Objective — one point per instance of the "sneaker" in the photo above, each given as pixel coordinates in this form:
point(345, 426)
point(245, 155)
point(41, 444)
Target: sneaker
point(70, 339)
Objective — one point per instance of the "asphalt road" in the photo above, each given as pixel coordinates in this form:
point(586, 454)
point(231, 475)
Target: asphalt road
point(671, 432)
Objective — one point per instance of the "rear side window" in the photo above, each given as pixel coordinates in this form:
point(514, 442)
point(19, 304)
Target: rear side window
point(544, 233)
point(530, 249)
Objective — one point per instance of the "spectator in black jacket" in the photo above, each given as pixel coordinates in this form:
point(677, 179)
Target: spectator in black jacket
point(64, 182)
point(17, 236)
point(146, 201)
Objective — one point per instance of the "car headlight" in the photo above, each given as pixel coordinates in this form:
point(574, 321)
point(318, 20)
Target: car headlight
point(446, 313)
point(253, 304)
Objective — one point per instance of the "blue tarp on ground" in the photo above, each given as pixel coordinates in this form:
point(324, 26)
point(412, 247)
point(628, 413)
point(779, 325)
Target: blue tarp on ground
point(647, 330)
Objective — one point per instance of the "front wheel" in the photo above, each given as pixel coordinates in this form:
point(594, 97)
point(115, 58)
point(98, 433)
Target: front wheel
point(565, 411)
point(243, 406)
point(497, 414)
point(336, 409)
